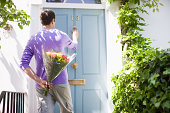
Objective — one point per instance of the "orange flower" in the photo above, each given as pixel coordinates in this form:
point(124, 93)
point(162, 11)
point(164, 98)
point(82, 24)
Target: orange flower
point(53, 54)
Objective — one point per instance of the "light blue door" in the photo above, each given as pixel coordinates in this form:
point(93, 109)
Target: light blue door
point(91, 58)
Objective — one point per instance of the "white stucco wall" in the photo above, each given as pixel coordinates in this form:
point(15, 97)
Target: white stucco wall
point(158, 26)
point(114, 59)
point(35, 26)
point(12, 43)
point(12, 46)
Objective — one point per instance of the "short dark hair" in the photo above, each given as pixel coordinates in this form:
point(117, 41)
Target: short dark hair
point(47, 16)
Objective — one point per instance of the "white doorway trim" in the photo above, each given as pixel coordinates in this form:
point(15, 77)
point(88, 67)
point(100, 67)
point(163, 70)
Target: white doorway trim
point(72, 5)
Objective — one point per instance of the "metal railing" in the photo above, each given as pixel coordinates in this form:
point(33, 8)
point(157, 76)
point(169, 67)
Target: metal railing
point(12, 102)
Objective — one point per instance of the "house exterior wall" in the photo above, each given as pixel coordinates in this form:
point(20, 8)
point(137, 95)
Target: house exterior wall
point(114, 53)
point(13, 44)
point(158, 26)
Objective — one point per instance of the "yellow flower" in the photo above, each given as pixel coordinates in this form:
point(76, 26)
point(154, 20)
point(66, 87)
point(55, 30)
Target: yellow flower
point(59, 54)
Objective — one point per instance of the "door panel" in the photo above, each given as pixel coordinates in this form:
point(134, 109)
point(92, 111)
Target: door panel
point(95, 104)
point(91, 58)
point(90, 36)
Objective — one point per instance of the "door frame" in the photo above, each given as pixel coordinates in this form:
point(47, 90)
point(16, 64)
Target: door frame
point(113, 49)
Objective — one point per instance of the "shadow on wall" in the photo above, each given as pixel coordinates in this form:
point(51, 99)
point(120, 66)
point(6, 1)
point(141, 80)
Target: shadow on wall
point(18, 79)
point(10, 54)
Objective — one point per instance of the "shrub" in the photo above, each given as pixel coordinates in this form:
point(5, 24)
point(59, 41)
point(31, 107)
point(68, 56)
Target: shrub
point(143, 84)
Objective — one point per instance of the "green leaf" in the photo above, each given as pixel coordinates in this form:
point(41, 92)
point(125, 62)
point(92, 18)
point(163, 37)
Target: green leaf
point(163, 97)
point(152, 80)
point(161, 4)
point(167, 71)
point(3, 2)
point(156, 75)
point(157, 104)
point(20, 26)
point(144, 102)
point(153, 100)
point(166, 104)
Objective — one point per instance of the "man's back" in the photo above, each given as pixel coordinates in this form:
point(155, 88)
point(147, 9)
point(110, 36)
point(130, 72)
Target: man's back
point(48, 40)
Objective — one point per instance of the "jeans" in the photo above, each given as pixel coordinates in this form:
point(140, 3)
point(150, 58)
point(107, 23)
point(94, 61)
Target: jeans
point(58, 93)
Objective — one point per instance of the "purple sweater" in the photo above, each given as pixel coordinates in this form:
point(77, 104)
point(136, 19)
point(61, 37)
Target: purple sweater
point(49, 39)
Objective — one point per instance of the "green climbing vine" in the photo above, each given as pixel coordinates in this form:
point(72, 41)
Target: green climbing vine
point(143, 84)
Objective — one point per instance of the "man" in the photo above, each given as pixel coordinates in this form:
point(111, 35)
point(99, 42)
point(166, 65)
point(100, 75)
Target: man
point(49, 38)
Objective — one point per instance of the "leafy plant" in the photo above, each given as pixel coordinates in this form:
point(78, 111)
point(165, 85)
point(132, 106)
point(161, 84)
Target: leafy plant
point(8, 12)
point(143, 84)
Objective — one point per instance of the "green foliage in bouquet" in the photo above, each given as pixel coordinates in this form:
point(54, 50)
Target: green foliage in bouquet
point(143, 84)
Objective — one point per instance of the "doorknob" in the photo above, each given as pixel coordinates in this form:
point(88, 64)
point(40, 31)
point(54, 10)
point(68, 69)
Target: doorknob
point(74, 65)
point(74, 28)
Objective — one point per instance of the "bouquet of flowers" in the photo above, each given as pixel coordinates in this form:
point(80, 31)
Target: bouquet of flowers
point(55, 63)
